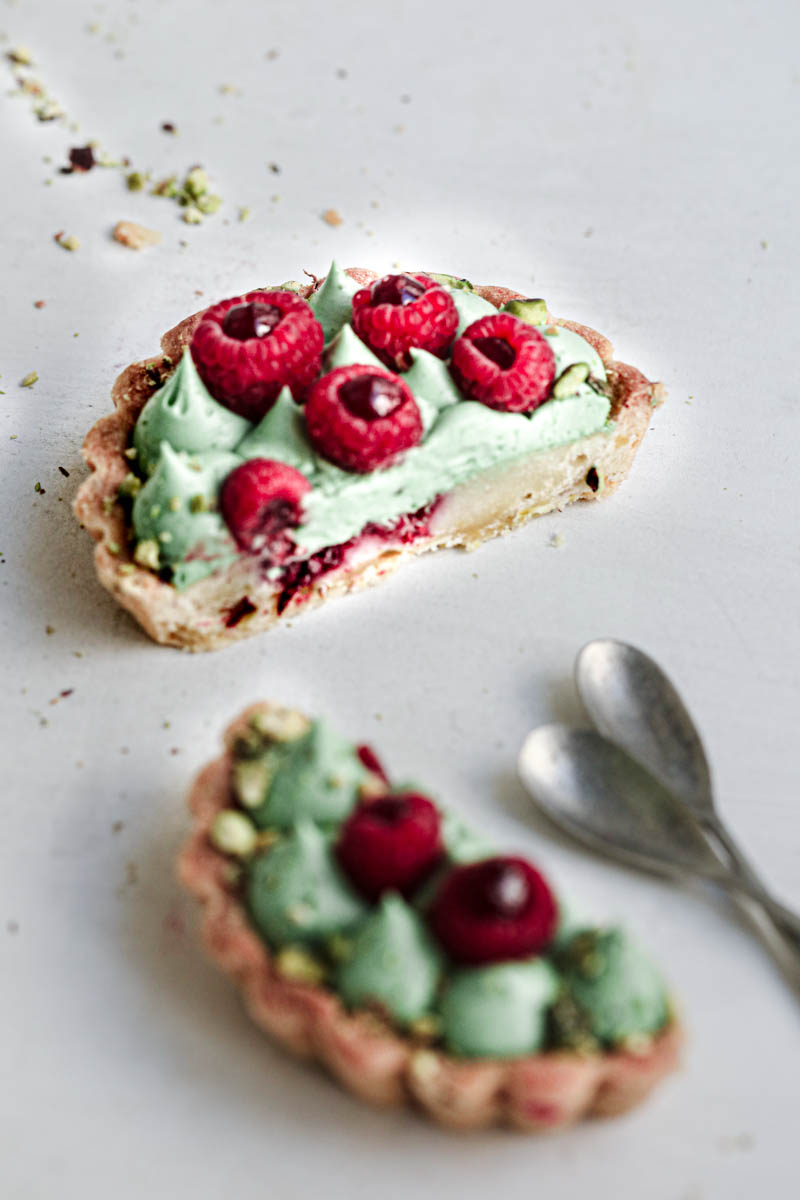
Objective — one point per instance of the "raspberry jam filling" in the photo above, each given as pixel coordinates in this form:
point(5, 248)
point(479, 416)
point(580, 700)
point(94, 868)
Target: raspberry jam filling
point(296, 578)
point(378, 894)
point(297, 430)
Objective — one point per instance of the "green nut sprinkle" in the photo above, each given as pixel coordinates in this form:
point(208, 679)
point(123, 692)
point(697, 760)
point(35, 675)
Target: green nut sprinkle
point(198, 504)
point(146, 554)
point(251, 780)
point(208, 203)
point(570, 380)
point(280, 724)
point(233, 833)
point(130, 486)
point(295, 963)
point(451, 281)
point(135, 181)
point(532, 311)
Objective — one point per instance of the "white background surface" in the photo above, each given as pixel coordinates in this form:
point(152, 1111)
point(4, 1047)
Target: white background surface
point(638, 166)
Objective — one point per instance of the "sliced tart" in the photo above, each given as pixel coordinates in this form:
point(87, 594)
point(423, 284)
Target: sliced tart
point(298, 442)
point(371, 930)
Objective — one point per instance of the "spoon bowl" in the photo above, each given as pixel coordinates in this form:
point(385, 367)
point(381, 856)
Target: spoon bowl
point(631, 701)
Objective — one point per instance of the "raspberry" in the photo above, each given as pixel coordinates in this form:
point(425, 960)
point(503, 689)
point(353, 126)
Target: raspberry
point(497, 909)
point(362, 418)
point(260, 501)
point(504, 363)
point(400, 311)
point(390, 844)
point(247, 348)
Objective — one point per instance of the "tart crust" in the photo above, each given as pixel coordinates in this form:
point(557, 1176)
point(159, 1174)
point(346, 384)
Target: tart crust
point(494, 502)
point(537, 1093)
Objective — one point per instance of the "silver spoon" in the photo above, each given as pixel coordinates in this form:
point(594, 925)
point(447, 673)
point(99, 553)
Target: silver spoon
point(598, 794)
point(632, 702)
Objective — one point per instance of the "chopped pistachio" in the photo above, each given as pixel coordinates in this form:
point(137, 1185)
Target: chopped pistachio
point(198, 504)
point(108, 504)
point(30, 379)
point(299, 965)
point(208, 203)
point(192, 215)
point(244, 213)
point(280, 724)
point(130, 486)
point(165, 536)
point(339, 947)
point(601, 386)
point(232, 833)
point(426, 1028)
point(196, 182)
point(131, 451)
point(251, 780)
point(126, 568)
point(174, 503)
point(532, 311)
point(112, 547)
point(21, 55)
point(570, 380)
point(146, 554)
point(266, 839)
point(166, 187)
point(451, 281)
point(68, 242)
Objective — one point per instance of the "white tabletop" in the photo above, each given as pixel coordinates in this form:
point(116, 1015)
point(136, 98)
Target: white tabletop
point(636, 165)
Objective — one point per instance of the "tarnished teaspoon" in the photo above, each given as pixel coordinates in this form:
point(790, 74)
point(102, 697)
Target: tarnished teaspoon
point(598, 794)
point(633, 703)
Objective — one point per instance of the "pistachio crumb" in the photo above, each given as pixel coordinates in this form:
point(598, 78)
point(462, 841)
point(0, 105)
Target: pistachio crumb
point(299, 965)
point(67, 241)
point(30, 379)
point(232, 833)
point(146, 554)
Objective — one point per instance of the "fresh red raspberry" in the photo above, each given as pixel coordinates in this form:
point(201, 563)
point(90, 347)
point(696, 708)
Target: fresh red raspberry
point(400, 311)
point(493, 910)
point(390, 844)
point(260, 501)
point(247, 348)
point(362, 418)
point(504, 363)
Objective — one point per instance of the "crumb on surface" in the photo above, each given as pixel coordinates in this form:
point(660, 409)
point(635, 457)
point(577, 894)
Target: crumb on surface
point(67, 241)
point(332, 216)
point(29, 380)
point(134, 236)
point(556, 540)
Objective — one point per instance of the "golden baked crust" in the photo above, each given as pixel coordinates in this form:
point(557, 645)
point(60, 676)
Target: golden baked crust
point(538, 1092)
point(198, 617)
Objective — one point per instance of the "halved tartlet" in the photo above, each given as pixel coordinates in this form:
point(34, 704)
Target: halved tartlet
point(395, 418)
point(370, 930)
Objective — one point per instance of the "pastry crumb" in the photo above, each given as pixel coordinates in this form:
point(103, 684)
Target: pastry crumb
point(332, 216)
point(134, 236)
point(67, 241)
point(556, 540)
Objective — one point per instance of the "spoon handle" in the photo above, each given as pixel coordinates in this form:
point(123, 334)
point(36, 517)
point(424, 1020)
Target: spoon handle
point(785, 918)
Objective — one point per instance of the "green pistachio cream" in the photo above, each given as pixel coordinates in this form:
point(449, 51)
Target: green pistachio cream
point(293, 785)
point(185, 443)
